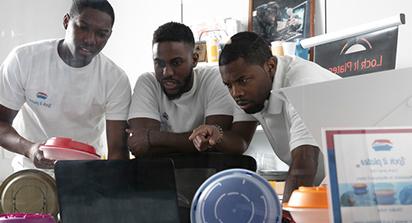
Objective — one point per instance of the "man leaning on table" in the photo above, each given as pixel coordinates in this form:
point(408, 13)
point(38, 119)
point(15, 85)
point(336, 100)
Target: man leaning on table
point(178, 96)
point(252, 75)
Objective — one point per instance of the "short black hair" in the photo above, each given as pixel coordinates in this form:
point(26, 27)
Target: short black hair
point(101, 5)
point(247, 45)
point(173, 31)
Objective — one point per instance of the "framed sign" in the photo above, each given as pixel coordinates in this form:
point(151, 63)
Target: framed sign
point(369, 171)
point(281, 20)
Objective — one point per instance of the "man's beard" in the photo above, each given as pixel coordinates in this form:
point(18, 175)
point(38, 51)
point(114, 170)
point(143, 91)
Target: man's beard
point(255, 109)
point(182, 89)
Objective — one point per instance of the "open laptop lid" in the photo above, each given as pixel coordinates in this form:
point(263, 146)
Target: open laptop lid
point(116, 191)
point(375, 99)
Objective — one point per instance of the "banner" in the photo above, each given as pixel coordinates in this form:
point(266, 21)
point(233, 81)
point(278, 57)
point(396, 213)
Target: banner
point(361, 54)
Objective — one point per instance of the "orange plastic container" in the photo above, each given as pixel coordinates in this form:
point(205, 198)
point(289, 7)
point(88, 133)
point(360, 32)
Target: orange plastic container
point(309, 205)
point(309, 197)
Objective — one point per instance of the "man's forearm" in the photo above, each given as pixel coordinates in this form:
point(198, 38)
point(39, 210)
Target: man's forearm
point(12, 141)
point(303, 169)
point(231, 143)
point(167, 142)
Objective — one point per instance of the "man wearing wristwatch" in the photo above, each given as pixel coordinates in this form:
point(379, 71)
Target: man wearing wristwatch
point(170, 102)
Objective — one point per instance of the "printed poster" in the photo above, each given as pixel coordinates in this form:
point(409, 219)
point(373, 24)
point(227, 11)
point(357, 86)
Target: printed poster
point(370, 173)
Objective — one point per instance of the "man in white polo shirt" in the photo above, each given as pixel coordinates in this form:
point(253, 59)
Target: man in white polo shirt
point(170, 102)
point(67, 88)
point(253, 75)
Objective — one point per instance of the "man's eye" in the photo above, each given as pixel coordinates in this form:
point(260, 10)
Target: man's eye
point(102, 35)
point(176, 63)
point(159, 64)
point(243, 81)
point(83, 28)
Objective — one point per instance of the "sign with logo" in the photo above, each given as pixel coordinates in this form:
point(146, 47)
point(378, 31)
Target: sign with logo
point(361, 54)
point(370, 174)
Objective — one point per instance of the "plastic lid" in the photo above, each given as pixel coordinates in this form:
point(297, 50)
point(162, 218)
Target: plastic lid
point(236, 195)
point(60, 148)
point(29, 191)
point(309, 197)
point(69, 143)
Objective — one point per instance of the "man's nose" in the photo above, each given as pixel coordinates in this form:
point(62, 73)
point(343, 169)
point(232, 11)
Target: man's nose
point(167, 71)
point(90, 38)
point(236, 91)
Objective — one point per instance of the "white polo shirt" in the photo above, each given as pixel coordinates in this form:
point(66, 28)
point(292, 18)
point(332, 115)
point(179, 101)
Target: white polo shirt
point(282, 125)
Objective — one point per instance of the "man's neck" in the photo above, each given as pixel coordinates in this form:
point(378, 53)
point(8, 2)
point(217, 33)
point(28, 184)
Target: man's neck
point(67, 56)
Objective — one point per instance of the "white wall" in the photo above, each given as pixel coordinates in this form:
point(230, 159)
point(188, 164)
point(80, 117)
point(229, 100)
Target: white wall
point(24, 21)
point(130, 45)
point(345, 14)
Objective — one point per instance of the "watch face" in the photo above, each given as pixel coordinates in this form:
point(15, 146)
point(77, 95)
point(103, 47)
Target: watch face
point(29, 191)
point(235, 195)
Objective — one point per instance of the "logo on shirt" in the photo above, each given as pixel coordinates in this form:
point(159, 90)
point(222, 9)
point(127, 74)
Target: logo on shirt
point(165, 116)
point(40, 100)
point(41, 95)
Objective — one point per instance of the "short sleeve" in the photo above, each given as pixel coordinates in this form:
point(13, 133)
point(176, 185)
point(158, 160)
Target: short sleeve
point(119, 96)
point(144, 101)
point(299, 133)
point(11, 83)
point(219, 101)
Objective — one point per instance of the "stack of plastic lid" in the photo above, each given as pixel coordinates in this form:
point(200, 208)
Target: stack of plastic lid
point(29, 191)
point(236, 195)
point(26, 218)
point(60, 148)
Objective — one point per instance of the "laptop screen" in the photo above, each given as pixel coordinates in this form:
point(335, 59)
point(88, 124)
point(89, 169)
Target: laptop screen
point(116, 191)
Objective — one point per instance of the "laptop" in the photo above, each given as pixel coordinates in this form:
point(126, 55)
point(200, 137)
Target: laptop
point(108, 191)
point(374, 99)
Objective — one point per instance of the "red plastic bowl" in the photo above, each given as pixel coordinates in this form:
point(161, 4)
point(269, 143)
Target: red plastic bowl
point(26, 218)
point(61, 148)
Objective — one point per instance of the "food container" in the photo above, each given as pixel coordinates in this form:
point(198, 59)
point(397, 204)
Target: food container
point(29, 191)
point(236, 195)
point(60, 148)
point(26, 218)
point(308, 205)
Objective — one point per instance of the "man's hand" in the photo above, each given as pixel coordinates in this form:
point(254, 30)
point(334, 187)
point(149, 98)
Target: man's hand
point(37, 156)
point(138, 141)
point(302, 170)
point(206, 136)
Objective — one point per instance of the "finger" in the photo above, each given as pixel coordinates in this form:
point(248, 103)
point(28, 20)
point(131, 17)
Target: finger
point(195, 132)
point(192, 136)
point(196, 142)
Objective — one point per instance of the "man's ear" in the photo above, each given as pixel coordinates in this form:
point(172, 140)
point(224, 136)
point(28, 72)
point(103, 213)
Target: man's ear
point(66, 20)
point(271, 65)
point(195, 59)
